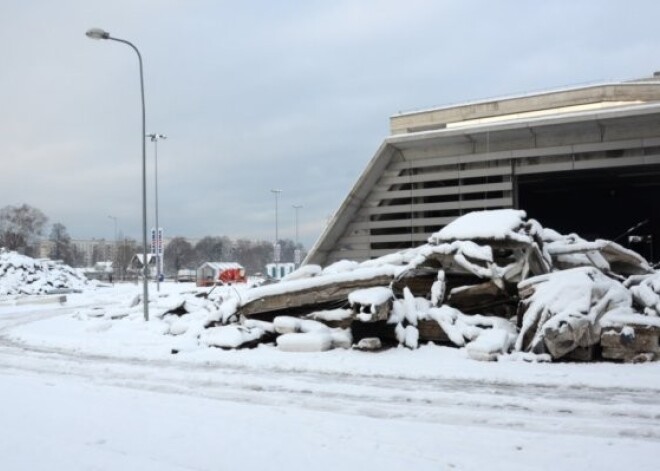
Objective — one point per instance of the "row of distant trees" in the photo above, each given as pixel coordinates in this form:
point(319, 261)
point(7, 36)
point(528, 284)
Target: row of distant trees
point(253, 255)
point(22, 227)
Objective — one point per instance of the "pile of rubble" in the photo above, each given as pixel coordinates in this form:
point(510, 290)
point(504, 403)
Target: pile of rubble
point(20, 274)
point(492, 282)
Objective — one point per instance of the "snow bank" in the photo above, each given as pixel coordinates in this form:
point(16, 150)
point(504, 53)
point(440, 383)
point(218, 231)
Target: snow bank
point(20, 274)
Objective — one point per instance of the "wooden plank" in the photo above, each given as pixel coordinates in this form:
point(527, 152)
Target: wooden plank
point(430, 331)
point(624, 354)
point(483, 298)
point(307, 300)
point(581, 354)
point(644, 339)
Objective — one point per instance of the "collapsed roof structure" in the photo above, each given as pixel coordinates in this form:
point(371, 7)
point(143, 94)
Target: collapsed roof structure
point(494, 282)
point(583, 159)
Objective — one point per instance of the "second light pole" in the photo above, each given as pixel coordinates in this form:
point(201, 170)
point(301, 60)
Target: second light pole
point(296, 250)
point(158, 243)
point(276, 247)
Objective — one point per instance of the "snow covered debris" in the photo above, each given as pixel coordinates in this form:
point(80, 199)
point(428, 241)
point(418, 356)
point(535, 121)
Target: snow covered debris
point(20, 274)
point(499, 224)
point(494, 283)
point(490, 345)
point(562, 310)
point(371, 304)
point(369, 344)
point(645, 291)
point(305, 342)
point(331, 315)
point(370, 296)
point(340, 267)
point(232, 336)
point(286, 324)
point(571, 251)
point(306, 271)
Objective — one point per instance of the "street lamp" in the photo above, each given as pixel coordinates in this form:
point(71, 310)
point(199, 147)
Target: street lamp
point(154, 138)
point(114, 244)
point(114, 218)
point(97, 33)
point(296, 250)
point(277, 240)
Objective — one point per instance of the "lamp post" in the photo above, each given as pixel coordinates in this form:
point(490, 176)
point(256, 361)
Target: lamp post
point(114, 243)
point(276, 247)
point(114, 219)
point(97, 33)
point(296, 250)
point(154, 138)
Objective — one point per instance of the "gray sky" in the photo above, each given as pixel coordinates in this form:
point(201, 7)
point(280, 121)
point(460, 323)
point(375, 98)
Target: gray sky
point(257, 95)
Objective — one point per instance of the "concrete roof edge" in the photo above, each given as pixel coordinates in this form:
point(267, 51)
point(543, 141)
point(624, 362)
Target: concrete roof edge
point(342, 216)
point(632, 83)
point(649, 108)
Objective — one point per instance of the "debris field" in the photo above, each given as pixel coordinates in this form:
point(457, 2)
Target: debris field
point(492, 282)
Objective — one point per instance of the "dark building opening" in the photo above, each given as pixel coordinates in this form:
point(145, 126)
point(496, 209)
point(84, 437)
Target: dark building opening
point(602, 203)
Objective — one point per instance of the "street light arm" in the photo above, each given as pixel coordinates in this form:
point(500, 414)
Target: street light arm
point(155, 136)
point(97, 33)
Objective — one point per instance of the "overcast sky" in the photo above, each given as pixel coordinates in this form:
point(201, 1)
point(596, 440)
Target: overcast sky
point(256, 95)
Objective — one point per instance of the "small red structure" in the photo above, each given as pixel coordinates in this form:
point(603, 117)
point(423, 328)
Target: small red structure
point(227, 273)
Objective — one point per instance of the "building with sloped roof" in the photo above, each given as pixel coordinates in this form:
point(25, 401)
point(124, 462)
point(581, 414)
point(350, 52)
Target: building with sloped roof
point(583, 159)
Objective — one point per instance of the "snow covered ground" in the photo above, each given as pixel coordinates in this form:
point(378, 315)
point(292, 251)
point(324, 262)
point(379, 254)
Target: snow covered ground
point(84, 393)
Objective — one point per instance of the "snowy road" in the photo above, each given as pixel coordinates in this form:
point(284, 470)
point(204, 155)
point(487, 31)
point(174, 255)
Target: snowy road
point(615, 418)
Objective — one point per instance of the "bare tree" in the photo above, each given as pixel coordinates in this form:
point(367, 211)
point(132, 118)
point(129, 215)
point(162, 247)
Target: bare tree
point(211, 249)
point(288, 248)
point(126, 249)
point(178, 254)
point(77, 256)
point(253, 255)
point(61, 240)
point(20, 228)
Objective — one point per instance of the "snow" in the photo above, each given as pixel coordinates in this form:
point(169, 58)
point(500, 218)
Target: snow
point(20, 275)
point(334, 276)
point(340, 267)
point(305, 342)
point(331, 315)
point(370, 296)
point(579, 295)
point(500, 224)
point(97, 387)
point(230, 336)
point(286, 324)
point(490, 345)
point(101, 394)
point(645, 290)
point(306, 271)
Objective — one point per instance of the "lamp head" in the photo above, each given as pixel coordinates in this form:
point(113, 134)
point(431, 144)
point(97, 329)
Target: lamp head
point(97, 33)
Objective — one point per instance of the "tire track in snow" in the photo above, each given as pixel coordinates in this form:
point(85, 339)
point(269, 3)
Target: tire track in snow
point(610, 412)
